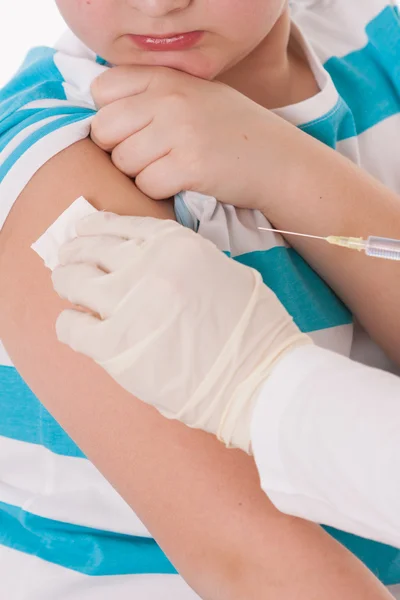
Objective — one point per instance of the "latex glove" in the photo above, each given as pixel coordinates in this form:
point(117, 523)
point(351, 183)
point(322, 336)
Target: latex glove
point(172, 131)
point(179, 324)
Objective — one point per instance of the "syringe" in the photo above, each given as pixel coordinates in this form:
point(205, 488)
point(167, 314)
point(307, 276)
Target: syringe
point(378, 247)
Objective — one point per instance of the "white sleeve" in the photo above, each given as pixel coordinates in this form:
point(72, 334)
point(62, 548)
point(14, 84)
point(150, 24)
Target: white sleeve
point(326, 440)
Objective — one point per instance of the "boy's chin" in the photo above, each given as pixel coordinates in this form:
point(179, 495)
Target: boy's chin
point(198, 68)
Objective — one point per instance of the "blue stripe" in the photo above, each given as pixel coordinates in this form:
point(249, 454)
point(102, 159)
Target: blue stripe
point(25, 419)
point(368, 80)
point(24, 118)
point(102, 553)
point(37, 79)
point(47, 90)
point(38, 55)
point(338, 124)
point(82, 549)
point(382, 560)
point(98, 553)
point(37, 135)
point(309, 300)
point(102, 62)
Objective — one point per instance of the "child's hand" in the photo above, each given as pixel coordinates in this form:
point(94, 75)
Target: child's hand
point(172, 132)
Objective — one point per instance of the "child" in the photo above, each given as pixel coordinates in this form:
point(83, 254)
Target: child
point(48, 106)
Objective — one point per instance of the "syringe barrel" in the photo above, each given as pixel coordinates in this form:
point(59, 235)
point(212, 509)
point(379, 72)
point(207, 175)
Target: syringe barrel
point(383, 248)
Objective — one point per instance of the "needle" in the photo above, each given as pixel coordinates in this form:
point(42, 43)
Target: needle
point(316, 237)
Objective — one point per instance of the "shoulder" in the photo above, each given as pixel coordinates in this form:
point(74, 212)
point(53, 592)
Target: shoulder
point(27, 84)
point(46, 107)
point(62, 73)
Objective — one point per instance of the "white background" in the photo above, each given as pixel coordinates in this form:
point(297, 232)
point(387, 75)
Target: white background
point(24, 24)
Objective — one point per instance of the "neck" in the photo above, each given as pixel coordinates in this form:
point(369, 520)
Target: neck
point(275, 73)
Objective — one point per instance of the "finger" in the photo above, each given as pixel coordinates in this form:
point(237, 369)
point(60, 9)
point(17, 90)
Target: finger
point(109, 253)
point(139, 151)
point(162, 179)
point(123, 81)
point(126, 227)
point(116, 122)
point(87, 286)
point(80, 331)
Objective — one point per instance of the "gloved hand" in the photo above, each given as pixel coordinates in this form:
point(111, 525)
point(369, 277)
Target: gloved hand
point(176, 322)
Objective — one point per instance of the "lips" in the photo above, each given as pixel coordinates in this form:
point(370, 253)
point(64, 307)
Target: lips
point(171, 42)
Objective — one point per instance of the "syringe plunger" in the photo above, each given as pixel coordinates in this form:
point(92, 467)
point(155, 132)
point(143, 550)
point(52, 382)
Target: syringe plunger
point(383, 248)
point(374, 246)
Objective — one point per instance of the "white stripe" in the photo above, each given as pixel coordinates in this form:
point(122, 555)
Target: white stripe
point(45, 581)
point(78, 74)
point(70, 44)
point(229, 228)
point(395, 590)
point(336, 28)
point(350, 149)
point(62, 488)
point(337, 339)
point(366, 351)
point(34, 158)
point(52, 103)
point(22, 135)
point(25, 577)
point(5, 360)
point(378, 150)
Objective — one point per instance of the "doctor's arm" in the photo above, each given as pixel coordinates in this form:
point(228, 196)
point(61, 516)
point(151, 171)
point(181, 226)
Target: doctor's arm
point(324, 429)
point(202, 503)
point(329, 450)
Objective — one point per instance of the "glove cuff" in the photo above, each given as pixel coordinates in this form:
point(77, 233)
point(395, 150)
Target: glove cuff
point(235, 425)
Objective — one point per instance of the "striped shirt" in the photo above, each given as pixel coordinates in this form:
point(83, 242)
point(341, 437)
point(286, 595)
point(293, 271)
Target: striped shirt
point(61, 523)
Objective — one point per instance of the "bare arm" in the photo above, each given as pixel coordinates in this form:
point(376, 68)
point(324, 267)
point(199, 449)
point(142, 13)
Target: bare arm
point(203, 503)
point(327, 194)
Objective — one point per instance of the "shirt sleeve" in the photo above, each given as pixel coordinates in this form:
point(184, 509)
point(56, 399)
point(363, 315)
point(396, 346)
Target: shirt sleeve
point(325, 437)
point(45, 108)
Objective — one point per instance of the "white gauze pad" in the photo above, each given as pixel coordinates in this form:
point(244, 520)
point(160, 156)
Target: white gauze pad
point(61, 231)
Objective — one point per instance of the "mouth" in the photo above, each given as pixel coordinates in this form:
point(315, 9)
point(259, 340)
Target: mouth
point(167, 43)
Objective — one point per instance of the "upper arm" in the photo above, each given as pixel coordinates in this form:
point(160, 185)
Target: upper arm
point(202, 502)
point(192, 474)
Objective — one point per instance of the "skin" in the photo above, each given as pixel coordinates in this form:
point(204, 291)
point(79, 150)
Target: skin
point(188, 139)
point(202, 502)
point(245, 43)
